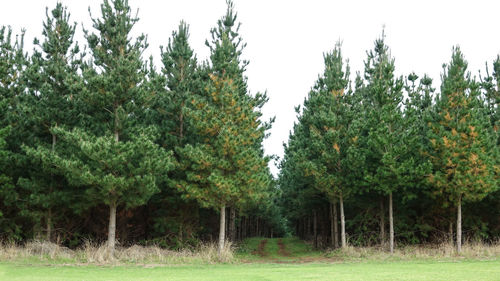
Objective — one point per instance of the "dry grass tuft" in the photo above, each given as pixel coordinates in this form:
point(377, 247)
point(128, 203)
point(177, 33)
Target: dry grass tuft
point(91, 253)
point(94, 253)
point(470, 250)
point(209, 252)
point(41, 249)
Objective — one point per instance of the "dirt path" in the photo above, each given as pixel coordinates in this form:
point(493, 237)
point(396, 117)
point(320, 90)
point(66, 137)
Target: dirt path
point(277, 250)
point(282, 249)
point(261, 250)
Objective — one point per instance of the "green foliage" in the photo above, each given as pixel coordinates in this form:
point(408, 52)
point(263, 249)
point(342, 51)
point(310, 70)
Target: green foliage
point(12, 64)
point(463, 151)
point(119, 158)
point(181, 80)
point(417, 112)
point(112, 156)
point(85, 129)
point(329, 127)
point(7, 193)
point(128, 174)
point(383, 122)
point(52, 76)
point(116, 74)
point(173, 90)
point(227, 166)
point(298, 190)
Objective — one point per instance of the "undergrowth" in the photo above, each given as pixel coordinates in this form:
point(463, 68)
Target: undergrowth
point(470, 250)
point(91, 253)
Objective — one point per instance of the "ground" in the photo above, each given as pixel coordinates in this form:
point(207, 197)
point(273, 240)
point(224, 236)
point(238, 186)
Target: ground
point(279, 250)
point(266, 259)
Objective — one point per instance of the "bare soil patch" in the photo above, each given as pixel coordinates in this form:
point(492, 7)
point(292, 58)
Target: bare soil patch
point(261, 249)
point(282, 249)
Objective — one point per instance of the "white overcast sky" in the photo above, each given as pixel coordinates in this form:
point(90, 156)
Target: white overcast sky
point(286, 39)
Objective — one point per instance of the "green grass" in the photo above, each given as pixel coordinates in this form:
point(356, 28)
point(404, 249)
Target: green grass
point(296, 248)
point(300, 263)
point(249, 245)
point(466, 270)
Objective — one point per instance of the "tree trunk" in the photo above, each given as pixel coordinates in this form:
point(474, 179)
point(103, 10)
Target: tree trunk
point(242, 228)
point(450, 233)
point(342, 222)
point(112, 205)
point(232, 224)
point(222, 228)
point(245, 228)
point(117, 138)
point(226, 230)
point(382, 223)
point(305, 225)
point(309, 227)
point(315, 229)
point(181, 122)
point(332, 233)
point(335, 225)
point(391, 225)
point(240, 222)
point(181, 231)
point(459, 225)
point(49, 211)
point(112, 228)
point(258, 229)
point(49, 224)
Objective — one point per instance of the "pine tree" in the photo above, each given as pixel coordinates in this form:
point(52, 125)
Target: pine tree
point(7, 73)
point(12, 130)
point(12, 68)
point(174, 88)
point(228, 167)
point(6, 184)
point(463, 146)
point(491, 85)
point(300, 195)
point(326, 119)
point(417, 113)
point(417, 109)
point(53, 83)
point(383, 126)
point(113, 156)
point(182, 79)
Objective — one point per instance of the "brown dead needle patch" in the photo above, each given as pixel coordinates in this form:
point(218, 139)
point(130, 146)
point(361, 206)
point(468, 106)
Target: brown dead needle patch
point(282, 249)
point(261, 249)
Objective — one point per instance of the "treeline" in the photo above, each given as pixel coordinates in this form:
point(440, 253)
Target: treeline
point(97, 143)
point(394, 159)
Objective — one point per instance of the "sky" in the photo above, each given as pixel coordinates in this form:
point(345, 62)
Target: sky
point(286, 39)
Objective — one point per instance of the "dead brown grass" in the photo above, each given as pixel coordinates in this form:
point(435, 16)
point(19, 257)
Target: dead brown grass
point(470, 250)
point(39, 249)
point(91, 253)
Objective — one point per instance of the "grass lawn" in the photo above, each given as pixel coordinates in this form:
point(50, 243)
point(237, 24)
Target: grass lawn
point(466, 270)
